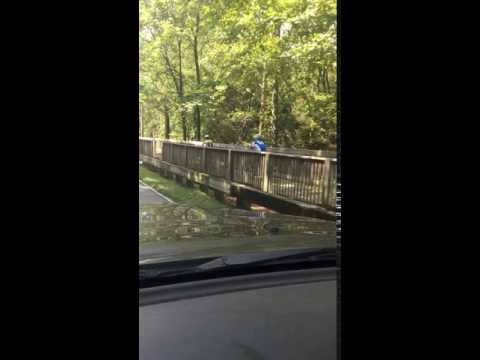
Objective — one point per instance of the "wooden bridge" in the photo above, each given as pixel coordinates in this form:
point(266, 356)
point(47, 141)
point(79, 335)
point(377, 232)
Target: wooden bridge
point(289, 182)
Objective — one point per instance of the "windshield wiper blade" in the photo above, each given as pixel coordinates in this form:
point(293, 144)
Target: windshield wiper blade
point(242, 261)
point(268, 258)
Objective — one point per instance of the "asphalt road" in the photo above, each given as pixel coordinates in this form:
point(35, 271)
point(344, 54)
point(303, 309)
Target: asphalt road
point(149, 196)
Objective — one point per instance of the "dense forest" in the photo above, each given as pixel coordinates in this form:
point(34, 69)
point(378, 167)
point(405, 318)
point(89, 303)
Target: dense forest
point(235, 68)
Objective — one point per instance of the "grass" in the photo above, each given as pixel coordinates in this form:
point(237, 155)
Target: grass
point(178, 193)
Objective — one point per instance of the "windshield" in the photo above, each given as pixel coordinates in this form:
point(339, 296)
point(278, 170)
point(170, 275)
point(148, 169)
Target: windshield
point(237, 131)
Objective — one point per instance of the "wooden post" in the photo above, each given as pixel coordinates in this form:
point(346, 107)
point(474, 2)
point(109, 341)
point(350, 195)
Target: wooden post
point(204, 159)
point(159, 149)
point(229, 166)
point(265, 172)
point(326, 182)
point(186, 156)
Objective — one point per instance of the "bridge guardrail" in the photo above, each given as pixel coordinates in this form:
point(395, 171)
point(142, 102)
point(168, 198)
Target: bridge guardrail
point(309, 179)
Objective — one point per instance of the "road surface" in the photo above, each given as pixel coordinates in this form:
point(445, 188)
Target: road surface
point(149, 196)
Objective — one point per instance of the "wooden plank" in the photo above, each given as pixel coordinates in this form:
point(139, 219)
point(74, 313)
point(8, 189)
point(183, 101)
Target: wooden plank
point(265, 159)
point(229, 165)
point(326, 182)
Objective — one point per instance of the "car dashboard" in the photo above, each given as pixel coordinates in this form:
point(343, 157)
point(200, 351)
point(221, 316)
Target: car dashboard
point(281, 315)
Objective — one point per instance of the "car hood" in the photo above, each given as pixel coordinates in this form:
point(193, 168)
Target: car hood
point(171, 232)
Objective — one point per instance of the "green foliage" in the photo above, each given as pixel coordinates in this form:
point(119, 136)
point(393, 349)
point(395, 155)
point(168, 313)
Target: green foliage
point(266, 66)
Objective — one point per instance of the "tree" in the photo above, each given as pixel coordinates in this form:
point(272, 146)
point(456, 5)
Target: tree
point(234, 68)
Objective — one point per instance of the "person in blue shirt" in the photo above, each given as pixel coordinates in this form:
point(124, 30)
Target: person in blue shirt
point(258, 143)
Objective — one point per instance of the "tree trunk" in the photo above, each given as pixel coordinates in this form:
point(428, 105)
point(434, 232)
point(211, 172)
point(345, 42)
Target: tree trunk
point(171, 71)
point(167, 122)
point(319, 78)
point(178, 85)
point(180, 89)
point(326, 79)
point(197, 122)
point(324, 83)
point(262, 99)
point(275, 111)
point(197, 73)
point(275, 101)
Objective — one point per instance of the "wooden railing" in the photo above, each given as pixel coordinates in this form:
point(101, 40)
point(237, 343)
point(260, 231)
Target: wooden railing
point(150, 147)
point(309, 179)
point(146, 146)
point(281, 150)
